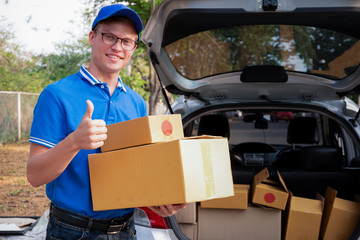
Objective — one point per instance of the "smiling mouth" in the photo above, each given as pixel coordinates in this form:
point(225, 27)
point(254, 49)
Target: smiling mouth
point(113, 56)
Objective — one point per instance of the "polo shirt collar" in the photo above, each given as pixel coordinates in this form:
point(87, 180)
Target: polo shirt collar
point(93, 80)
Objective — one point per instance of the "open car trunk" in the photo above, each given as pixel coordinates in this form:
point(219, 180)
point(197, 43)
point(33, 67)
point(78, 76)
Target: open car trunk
point(312, 149)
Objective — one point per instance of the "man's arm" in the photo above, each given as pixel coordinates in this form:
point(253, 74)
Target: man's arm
point(46, 164)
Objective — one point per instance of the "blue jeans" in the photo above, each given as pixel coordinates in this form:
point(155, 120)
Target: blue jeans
point(58, 229)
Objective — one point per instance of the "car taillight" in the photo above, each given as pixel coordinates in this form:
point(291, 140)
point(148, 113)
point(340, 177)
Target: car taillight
point(144, 216)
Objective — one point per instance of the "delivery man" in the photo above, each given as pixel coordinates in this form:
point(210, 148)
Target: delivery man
point(69, 123)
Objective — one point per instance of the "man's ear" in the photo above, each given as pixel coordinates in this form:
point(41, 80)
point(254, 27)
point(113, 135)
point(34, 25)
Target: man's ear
point(91, 37)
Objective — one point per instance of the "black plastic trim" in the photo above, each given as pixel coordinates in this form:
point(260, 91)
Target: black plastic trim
point(184, 22)
point(175, 227)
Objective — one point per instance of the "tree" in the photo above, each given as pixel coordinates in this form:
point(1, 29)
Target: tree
point(17, 66)
point(69, 60)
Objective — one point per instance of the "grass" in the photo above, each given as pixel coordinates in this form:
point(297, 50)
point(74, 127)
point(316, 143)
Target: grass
point(17, 196)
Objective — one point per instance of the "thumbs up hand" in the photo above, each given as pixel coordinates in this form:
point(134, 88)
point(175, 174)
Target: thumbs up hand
point(90, 134)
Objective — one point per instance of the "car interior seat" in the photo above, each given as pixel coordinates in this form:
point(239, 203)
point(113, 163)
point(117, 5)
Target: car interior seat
point(215, 125)
point(313, 157)
point(301, 130)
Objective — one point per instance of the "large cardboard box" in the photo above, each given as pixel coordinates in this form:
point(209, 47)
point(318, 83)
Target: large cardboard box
point(239, 201)
point(253, 223)
point(303, 218)
point(268, 192)
point(340, 217)
point(179, 171)
point(145, 130)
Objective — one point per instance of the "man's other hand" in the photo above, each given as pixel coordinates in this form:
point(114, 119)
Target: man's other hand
point(167, 210)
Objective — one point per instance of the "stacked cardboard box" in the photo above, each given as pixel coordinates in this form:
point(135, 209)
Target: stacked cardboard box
point(340, 217)
point(303, 218)
point(238, 201)
point(253, 223)
point(147, 161)
point(158, 166)
point(186, 218)
point(141, 131)
point(269, 193)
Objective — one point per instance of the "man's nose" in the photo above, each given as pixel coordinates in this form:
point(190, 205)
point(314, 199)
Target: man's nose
point(118, 45)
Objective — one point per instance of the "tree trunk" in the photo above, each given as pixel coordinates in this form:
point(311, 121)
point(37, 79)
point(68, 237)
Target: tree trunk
point(288, 52)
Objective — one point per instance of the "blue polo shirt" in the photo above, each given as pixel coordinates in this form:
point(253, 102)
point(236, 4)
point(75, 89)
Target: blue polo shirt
point(59, 111)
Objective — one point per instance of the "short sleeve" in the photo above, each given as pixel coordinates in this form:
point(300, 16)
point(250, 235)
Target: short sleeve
point(49, 123)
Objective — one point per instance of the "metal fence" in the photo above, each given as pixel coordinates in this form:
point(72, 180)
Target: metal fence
point(16, 114)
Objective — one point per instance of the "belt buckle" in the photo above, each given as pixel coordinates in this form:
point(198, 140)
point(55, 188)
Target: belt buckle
point(114, 227)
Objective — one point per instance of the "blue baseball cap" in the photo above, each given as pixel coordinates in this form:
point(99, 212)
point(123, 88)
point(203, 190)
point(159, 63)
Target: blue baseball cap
point(119, 10)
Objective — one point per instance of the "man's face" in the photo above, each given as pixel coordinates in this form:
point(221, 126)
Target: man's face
point(111, 59)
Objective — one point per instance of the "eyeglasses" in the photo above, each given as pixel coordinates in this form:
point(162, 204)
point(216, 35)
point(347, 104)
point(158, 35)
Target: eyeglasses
point(110, 40)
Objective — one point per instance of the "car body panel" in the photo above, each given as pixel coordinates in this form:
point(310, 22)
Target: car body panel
point(173, 20)
point(154, 234)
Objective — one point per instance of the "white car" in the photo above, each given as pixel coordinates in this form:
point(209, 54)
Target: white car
point(272, 76)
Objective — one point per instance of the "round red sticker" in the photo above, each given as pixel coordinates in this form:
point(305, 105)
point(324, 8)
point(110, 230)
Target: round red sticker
point(166, 128)
point(269, 198)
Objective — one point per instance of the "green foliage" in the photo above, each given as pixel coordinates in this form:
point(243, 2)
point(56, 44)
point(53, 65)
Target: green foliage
point(67, 62)
point(16, 70)
point(27, 72)
point(138, 77)
point(135, 82)
point(355, 98)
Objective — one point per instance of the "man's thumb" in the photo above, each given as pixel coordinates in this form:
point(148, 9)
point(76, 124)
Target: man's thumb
point(89, 110)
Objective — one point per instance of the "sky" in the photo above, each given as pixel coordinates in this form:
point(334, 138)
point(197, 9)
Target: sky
point(39, 24)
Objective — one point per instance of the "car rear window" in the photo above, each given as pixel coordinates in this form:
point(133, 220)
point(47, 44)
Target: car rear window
point(297, 48)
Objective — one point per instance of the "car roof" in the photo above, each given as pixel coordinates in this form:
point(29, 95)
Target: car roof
point(184, 23)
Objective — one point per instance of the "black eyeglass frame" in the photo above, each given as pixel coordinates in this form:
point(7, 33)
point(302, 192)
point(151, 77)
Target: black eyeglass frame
point(117, 39)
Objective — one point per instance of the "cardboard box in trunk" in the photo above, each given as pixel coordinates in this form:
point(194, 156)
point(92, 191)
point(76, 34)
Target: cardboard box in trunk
point(269, 193)
point(145, 130)
point(187, 215)
point(253, 223)
point(239, 201)
point(179, 171)
point(339, 218)
point(303, 218)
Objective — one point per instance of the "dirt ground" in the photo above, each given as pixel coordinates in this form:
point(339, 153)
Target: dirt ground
point(17, 196)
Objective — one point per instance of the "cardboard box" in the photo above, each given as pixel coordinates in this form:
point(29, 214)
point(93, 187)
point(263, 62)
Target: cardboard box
point(303, 218)
point(187, 215)
point(269, 193)
point(253, 223)
point(189, 230)
point(339, 217)
point(239, 201)
point(179, 171)
point(145, 130)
